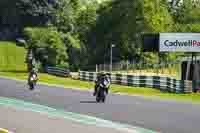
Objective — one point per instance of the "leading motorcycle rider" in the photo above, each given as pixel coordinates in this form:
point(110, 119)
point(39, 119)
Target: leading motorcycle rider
point(101, 77)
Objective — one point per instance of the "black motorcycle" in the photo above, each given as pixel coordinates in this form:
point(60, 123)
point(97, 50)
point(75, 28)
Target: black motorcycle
point(101, 91)
point(32, 81)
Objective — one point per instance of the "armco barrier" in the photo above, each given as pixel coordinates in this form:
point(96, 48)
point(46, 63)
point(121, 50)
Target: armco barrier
point(165, 84)
point(58, 71)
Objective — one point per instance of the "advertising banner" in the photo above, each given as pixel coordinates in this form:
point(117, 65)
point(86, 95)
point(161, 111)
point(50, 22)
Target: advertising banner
point(179, 42)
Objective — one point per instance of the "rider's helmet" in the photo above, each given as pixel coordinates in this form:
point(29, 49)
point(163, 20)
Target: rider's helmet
point(108, 75)
point(101, 74)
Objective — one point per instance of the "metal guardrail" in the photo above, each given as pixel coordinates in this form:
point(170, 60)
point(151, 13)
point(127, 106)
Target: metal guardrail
point(162, 83)
point(58, 71)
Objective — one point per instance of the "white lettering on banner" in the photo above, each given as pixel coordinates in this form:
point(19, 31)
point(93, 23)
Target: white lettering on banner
point(179, 42)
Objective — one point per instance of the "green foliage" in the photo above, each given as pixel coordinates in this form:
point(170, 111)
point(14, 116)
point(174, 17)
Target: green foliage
point(63, 65)
point(20, 13)
point(79, 40)
point(113, 25)
point(35, 36)
point(63, 14)
point(23, 13)
point(86, 19)
point(50, 39)
point(157, 16)
point(72, 41)
point(74, 51)
point(188, 12)
point(187, 27)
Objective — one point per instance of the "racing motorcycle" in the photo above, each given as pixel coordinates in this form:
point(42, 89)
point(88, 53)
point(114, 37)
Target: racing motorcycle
point(32, 81)
point(102, 91)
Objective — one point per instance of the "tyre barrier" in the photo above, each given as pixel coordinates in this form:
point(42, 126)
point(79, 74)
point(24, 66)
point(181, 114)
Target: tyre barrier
point(164, 84)
point(58, 71)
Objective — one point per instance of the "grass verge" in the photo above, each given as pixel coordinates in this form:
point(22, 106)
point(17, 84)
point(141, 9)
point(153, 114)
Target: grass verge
point(12, 57)
point(70, 83)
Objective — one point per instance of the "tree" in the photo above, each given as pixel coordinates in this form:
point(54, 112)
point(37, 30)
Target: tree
point(49, 39)
point(157, 16)
point(64, 14)
point(26, 13)
point(187, 12)
point(22, 13)
point(113, 25)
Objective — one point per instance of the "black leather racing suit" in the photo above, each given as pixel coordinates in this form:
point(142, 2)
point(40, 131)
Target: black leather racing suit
point(30, 75)
point(99, 80)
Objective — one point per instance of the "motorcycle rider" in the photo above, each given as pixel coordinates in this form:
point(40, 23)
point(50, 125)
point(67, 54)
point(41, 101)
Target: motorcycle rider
point(101, 77)
point(32, 72)
point(97, 82)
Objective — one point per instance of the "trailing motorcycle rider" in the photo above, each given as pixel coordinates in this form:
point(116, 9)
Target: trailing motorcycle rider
point(32, 78)
point(31, 64)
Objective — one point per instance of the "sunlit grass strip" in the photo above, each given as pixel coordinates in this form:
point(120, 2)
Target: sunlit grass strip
point(12, 57)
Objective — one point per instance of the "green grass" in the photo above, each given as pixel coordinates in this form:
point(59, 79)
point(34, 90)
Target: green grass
point(12, 65)
point(11, 57)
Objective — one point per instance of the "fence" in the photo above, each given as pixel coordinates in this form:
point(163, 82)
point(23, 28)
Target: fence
point(133, 65)
point(58, 71)
point(162, 83)
point(167, 69)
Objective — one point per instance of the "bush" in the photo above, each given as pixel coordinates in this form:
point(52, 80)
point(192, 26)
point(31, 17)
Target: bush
point(49, 39)
point(63, 65)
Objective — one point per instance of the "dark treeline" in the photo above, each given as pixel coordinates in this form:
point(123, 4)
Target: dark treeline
point(78, 34)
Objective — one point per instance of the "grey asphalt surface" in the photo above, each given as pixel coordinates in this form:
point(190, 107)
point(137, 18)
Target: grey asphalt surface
point(21, 121)
point(166, 116)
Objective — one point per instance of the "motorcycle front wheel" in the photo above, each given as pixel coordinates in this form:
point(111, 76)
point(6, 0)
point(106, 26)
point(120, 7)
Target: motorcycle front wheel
point(100, 97)
point(97, 99)
point(31, 86)
point(103, 96)
point(103, 99)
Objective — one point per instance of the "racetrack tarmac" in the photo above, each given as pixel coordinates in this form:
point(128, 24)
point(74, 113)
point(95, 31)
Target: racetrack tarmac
point(166, 116)
point(21, 121)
